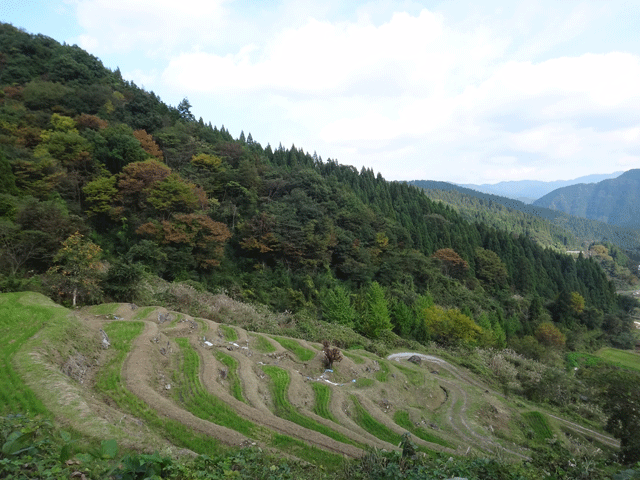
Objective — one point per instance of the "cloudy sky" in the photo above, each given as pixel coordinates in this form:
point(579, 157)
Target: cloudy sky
point(449, 91)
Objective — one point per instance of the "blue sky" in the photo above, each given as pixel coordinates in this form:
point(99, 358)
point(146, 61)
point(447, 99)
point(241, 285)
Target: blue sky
point(447, 91)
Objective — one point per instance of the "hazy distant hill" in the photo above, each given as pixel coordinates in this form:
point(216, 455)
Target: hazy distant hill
point(529, 190)
point(614, 201)
point(490, 209)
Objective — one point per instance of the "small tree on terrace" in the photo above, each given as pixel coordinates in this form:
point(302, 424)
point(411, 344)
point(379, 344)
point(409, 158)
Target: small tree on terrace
point(78, 268)
point(331, 355)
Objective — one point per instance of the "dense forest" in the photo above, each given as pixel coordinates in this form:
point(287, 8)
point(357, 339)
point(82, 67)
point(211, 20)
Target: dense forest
point(104, 185)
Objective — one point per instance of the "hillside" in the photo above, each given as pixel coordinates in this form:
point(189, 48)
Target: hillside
point(544, 225)
point(158, 379)
point(110, 197)
point(614, 201)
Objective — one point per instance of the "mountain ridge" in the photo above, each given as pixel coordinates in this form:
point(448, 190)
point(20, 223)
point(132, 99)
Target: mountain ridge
point(614, 201)
point(528, 191)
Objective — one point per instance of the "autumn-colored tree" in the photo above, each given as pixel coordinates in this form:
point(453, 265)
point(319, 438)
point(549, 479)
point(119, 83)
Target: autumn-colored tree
point(148, 144)
point(204, 236)
point(549, 335)
point(452, 263)
point(78, 268)
point(86, 121)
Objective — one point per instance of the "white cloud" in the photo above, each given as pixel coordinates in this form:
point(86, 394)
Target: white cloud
point(152, 26)
point(413, 94)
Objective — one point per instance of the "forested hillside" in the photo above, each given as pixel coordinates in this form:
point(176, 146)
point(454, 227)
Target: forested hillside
point(104, 186)
point(546, 226)
point(614, 201)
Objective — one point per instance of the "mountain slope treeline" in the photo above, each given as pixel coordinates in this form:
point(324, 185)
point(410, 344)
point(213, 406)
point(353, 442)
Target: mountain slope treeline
point(104, 185)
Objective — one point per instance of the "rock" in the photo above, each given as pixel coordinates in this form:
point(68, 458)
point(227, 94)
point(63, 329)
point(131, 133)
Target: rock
point(415, 359)
point(105, 339)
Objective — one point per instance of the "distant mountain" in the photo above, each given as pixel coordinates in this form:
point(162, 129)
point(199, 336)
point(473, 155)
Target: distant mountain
point(528, 190)
point(581, 230)
point(615, 201)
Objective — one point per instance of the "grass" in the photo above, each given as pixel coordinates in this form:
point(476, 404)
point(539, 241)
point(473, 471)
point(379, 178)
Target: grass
point(539, 425)
point(401, 417)
point(383, 373)
point(354, 358)
point(279, 386)
point(229, 333)
point(200, 402)
point(263, 345)
point(364, 382)
point(143, 313)
point(323, 397)
point(620, 357)
point(104, 309)
point(415, 378)
point(372, 426)
point(578, 359)
point(235, 386)
point(304, 354)
point(22, 315)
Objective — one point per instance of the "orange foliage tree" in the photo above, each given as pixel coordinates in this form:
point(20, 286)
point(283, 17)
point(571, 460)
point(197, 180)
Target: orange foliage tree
point(452, 263)
point(204, 236)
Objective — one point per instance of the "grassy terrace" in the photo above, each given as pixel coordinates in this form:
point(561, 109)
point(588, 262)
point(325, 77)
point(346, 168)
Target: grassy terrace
point(109, 382)
point(414, 377)
point(401, 417)
point(235, 386)
point(383, 373)
point(304, 354)
point(20, 318)
point(202, 404)
point(263, 345)
point(539, 426)
point(621, 358)
point(229, 333)
point(279, 387)
point(323, 397)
